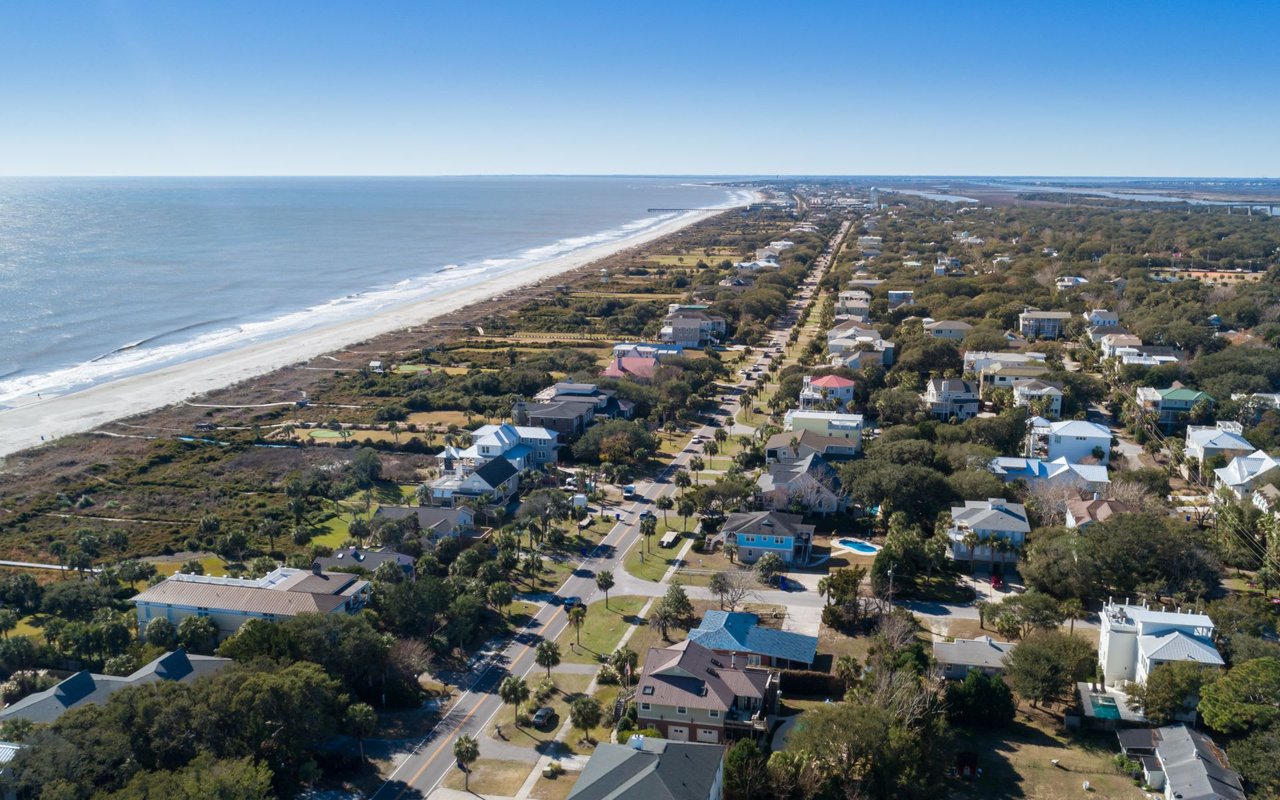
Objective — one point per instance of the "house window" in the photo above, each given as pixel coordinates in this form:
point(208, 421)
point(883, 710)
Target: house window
point(715, 714)
point(681, 710)
point(777, 540)
point(647, 690)
point(644, 706)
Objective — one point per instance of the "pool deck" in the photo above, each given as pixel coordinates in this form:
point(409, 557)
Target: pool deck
point(840, 544)
point(1126, 715)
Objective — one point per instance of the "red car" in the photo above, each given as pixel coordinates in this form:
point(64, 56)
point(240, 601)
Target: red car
point(997, 582)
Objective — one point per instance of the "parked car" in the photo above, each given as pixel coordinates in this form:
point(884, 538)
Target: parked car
point(997, 582)
point(571, 602)
point(542, 716)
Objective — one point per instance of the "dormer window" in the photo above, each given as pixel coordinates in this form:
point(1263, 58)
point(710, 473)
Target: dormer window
point(648, 690)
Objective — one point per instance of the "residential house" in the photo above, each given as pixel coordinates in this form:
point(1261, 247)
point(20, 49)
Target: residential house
point(788, 445)
point(1044, 397)
point(1147, 355)
point(636, 368)
point(1042, 324)
point(494, 482)
point(952, 330)
point(858, 352)
point(1136, 639)
point(1069, 282)
point(1076, 440)
point(956, 659)
point(607, 403)
point(1101, 316)
point(1112, 343)
point(526, 447)
point(433, 522)
point(901, 297)
point(362, 560)
point(807, 483)
point(230, 602)
point(946, 398)
point(1056, 474)
point(850, 329)
point(1179, 762)
point(1223, 439)
point(1267, 499)
point(855, 303)
point(1244, 474)
point(658, 350)
point(759, 532)
point(1003, 375)
point(740, 632)
point(648, 768)
point(690, 693)
point(1095, 333)
point(1082, 513)
point(992, 520)
point(833, 424)
point(1171, 406)
point(692, 328)
point(975, 361)
point(87, 688)
point(825, 391)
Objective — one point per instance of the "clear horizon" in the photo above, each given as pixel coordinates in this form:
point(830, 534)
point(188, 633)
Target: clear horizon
point(139, 88)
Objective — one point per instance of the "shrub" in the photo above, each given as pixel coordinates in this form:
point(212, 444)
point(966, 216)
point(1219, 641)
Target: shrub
point(607, 676)
point(810, 682)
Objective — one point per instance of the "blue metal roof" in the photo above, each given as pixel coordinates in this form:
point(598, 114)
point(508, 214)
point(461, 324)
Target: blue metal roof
point(741, 631)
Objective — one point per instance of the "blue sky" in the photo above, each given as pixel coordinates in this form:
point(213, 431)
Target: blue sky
point(246, 88)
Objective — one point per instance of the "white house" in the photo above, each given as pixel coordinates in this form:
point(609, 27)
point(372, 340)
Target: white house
point(1113, 344)
point(1101, 316)
point(1058, 474)
point(1069, 282)
point(495, 481)
point(1045, 395)
point(1223, 439)
point(975, 361)
point(951, 397)
point(1135, 640)
point(991, 521)
point(818, 392)
point(526, 447)
point(1075, 440)
point(1243, 474)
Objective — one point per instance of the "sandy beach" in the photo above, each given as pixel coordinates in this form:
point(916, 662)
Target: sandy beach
point(43, 420)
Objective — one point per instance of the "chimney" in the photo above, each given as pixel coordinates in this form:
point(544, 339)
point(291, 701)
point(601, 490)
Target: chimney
point(315, 568)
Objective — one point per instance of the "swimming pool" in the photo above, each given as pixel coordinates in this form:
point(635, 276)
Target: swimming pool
point(859, 546)
point(1104, 707)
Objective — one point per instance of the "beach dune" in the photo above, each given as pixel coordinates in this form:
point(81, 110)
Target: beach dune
point(46, 419)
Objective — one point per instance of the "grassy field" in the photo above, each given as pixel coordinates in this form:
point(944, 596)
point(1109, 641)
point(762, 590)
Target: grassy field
point(570, 686)
point(213, 565)
point(602, 629)
point(491, 776)
point(556, 788)
point(650, 566)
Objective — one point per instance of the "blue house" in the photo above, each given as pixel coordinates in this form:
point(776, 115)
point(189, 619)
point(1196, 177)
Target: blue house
point(760, 532)
point(740, 633)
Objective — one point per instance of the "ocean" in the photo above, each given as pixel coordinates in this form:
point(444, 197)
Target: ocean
point(108, 277)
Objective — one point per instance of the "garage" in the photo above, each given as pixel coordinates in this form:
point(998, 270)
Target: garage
point(677, 733)
point(710, 735)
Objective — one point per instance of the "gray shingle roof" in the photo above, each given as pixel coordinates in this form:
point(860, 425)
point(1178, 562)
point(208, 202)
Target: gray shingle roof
point(653, 769)
point(1194, 767)
point(496, 472)
point(85, 687)
point(983, 652)
point(688, 674)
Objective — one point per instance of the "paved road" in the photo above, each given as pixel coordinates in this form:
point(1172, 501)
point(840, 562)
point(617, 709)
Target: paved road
point(426, 767)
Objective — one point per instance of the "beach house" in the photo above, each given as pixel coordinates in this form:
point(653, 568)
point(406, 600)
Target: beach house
point(901, 297)
point(1101, 316)
point(691, 327)
point(432, 522)
point(1222, 440)
point(975, 361)
point(1076, 440)
point(1003, 375)
point(1058, 474)
point(957, 658)
point(740, 632)
point(1243, 474)
point(788, 445)
point(526, 447)
point(496, 481)
point(1172, 406)
point(834, 424)
point(230, 602)
point(1043, 397)
point(690, 693)
point(1081, 512)
point(992, 530)
point(648, 768)
point(1136, 639)
point(808, 483)
point(1183, 763)
point(758, 532)
point(1035, 324)
point(947, 398)
point(361, 560)
point(952, 330)
point(87, 688)
point(826, 392)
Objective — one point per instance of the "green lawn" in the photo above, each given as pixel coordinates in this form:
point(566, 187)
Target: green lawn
point(569, 688)
point(213, 565)
point(602, 630)
point(651, 566)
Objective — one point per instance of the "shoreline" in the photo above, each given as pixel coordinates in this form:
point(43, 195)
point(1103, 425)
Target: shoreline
point(47, 420)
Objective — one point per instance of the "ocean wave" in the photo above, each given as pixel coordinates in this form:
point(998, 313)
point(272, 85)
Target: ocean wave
point(149, 353)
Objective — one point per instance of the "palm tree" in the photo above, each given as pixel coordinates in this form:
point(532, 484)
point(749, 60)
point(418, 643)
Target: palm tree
point(730, 548)
point(604, 582)
point(1073, 610)
point(514, 690)
point(696, 466)
point(648, 527)
point(577, 616)
point(547, 654)
point(361, 721)
point(466, 750)
point(682, 481)
point(971, 541)
point(58, 549)
point(721, 435)
point(686, 509)
point(393, 428)
point(983, 606)
point(665, 504)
